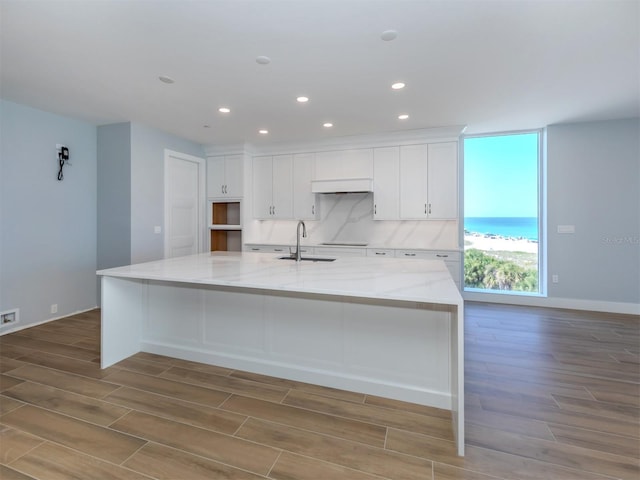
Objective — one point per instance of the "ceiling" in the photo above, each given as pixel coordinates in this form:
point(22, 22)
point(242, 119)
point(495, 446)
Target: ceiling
point(490, 65)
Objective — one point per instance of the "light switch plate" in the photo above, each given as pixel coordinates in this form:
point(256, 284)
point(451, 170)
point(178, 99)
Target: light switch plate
point(566, 229)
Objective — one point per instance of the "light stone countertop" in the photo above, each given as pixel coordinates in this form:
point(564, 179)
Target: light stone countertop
point(407, 280)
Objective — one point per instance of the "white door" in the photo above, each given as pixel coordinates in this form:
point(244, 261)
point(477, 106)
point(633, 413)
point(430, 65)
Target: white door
point(184, 204)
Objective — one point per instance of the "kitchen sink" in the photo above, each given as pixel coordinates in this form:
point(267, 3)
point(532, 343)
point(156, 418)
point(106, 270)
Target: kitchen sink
point(309, 259)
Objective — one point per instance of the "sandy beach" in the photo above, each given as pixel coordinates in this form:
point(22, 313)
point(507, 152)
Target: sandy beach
point(499, 244)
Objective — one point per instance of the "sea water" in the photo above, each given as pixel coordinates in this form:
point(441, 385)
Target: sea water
point(515, 227)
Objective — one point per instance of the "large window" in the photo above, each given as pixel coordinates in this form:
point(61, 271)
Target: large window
point(502, 213)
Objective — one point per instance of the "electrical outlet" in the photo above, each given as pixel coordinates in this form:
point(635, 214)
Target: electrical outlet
point(54, 308)
point(554, 278)
point(9, 317)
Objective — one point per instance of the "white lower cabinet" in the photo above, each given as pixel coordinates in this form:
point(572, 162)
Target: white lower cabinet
point(381, 252)
point(341, 251)
point(266, 248)
point(451, 259)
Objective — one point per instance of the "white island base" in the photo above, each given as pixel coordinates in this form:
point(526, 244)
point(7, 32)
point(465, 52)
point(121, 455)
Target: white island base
point(372, 334)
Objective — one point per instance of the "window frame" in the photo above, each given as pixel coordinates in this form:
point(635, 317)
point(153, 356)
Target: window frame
point(478, 293)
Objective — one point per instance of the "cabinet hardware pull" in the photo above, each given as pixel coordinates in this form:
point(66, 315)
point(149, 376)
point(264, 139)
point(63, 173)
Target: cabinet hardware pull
point(425, 208)
point(441, 256)
point(313, 209)
point(429, 209)
point(375, 209)
point(222, 188)
point(380, 253)
point(409, 254)
point(277, 249)
point(255, 249)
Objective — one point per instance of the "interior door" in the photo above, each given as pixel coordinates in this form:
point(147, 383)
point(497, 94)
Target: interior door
point(184, 204)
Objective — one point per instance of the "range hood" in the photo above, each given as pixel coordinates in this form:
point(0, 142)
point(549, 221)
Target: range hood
point(342, 185)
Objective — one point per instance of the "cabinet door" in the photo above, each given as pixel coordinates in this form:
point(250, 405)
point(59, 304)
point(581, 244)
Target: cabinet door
point(233, 175)
point(304, 202)
point(386, 172)
point(282, 192)
point(262, 187)
point(443, 180)
point(356, 163)
point(413, 182)
point(215, 177)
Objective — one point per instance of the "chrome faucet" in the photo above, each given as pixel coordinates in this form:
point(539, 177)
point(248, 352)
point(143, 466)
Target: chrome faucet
point(298, 254)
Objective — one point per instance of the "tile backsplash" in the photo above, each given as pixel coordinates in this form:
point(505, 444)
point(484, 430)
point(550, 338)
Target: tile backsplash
point(348, 218)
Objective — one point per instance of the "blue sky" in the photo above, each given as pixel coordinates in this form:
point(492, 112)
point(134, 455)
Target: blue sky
point(501, 176)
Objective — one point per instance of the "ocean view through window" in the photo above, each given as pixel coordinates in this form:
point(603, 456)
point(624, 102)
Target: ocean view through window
point(501, 213)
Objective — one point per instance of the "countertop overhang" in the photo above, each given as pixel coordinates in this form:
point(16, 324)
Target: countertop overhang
point(405, 280)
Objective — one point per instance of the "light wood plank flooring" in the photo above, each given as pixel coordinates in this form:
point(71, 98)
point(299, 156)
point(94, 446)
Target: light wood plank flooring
point(551, 394)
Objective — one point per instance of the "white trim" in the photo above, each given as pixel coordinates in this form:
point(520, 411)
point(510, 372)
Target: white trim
point(401, 137)
point(202, 198)
point(35, 324)
point(555, 302)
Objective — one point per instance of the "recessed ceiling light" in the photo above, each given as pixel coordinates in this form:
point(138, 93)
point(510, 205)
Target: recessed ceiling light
point(263, 131)
point(327, 125)
point(262, 60)
point(224, 109)
point(302, 99)
point(404, 116)
point(389, 35)
point(398, 86)
point(165, 79)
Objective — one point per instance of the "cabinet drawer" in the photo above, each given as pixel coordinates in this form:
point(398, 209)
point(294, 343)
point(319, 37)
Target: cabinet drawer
point(341, 251)
point(380, 252)
point(267, 248)
point(447, 256)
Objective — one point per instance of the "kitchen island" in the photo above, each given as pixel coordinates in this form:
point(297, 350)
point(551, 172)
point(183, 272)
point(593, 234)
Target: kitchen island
point(387, 327)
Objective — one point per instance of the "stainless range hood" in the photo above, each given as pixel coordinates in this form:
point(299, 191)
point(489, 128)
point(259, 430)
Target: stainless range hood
point(342, 185)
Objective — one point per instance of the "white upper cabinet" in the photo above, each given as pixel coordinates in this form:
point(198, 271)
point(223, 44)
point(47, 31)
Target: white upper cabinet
point(429, 181)
point(386, 183)
point(273, 187)
point(304, 202)
point(224, 176)
point(443, 180)
point(413, 182)
point(341, 164)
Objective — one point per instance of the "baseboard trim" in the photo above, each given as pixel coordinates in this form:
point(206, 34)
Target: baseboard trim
point(327, 378)
point(17, 328)
point(555, 302)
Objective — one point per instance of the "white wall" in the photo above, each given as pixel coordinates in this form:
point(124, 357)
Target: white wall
point(47, 227)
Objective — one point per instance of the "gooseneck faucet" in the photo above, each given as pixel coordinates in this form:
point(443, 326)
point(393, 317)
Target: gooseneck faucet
point(304, 234)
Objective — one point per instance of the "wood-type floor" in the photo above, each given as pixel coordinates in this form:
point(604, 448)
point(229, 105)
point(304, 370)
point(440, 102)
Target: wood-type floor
point(550, 394)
